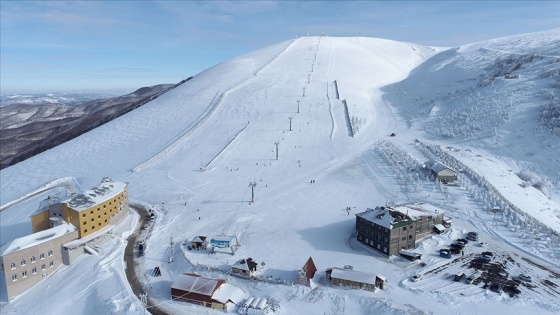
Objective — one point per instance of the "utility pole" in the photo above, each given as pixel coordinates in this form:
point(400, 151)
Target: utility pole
point(252, 185)
point(298, 107)
point(290, 118)
point(276, 143)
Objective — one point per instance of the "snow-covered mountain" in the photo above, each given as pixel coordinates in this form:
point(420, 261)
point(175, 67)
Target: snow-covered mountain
point(309, 122)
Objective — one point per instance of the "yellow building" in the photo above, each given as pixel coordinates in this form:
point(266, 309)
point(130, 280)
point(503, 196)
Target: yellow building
point(62, 230)
point(89, 212)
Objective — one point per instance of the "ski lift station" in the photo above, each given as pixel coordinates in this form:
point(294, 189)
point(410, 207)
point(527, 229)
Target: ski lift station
point(221, 242)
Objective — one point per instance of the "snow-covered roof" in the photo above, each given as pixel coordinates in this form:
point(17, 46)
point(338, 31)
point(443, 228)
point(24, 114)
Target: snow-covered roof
point(353, 275)
point(227, 292)
point(197, 284)
point(438, 167)
point(384, 216)
point(418, 210)
point(103, 192)
point(199, 239)
point(37, 238)
point(245, 264)
point(439, 227)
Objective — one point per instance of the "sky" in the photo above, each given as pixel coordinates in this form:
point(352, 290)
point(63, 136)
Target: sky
point(79, 46)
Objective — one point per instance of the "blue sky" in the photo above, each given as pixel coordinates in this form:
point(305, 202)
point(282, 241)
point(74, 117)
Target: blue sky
point(56, 46)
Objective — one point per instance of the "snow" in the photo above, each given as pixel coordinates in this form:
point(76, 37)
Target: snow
point(193, 153)
point(196, 284)
point(226, 292)
point(38, 238)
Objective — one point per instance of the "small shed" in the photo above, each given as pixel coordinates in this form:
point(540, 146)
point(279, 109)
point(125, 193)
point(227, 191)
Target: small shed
point(380, 281)
point(306, 273)
point(441, 172)
point(244, 268)
point(352, 279)
point(198, 242)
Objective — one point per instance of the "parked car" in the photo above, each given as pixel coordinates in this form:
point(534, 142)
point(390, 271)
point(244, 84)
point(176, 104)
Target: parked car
point(460, 276)
point(487, 254)
point(455, 250)
point(511, 290)
point(496, 287)
point(483, 244)
point(523, 278)
point(472, 236)
point(463, 241)
point(470, 279)
point(445, 253)
point(457, 245)
point(416, 277)
point(483, 259)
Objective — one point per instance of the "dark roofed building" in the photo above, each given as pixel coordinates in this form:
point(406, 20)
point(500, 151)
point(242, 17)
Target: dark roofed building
point(208, 292)
point(440, 171)
point(244, 268)
point(306, 273)
point(198, 242)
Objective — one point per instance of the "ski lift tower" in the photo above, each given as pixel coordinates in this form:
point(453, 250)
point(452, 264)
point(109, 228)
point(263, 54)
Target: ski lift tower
point(252, 185)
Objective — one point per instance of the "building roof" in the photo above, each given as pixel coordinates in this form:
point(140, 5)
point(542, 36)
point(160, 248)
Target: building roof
point(417, 210)
point(199, 239)
point(384, 216)
point(37, 238)
point(194, 283)
point(353, 275)
point(245, 264)
point(309, 268)
point(227, 292)
point(104, 192)
point(438, 167)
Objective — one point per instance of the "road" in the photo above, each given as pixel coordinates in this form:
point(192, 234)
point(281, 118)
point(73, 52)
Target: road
point(129, 257)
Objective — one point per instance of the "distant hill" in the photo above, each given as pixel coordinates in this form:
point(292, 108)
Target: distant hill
point(30, 127)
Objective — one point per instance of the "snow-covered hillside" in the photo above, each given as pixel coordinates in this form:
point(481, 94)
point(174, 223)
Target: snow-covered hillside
point(308, 121)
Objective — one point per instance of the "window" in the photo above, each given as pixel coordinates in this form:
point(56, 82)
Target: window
point(14, 277)
point(42, 256)
point(83, 215)
point(32, 259)
point(51, 264)
point(404, 228)
point(13, 266)
point(99, 216)
point(50, 253)
point(23, 262)
point(34, 270)
point(43, 267)
point(24, 274)
point(92, 219)
point(404, 238)
point(93, 227)
point(410, 237)
point(100, 223)
point(91, 212)
point(105, 220)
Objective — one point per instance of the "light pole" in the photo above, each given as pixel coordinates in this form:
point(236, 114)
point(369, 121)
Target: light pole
point(276, 143)
point(298, 107)
point(290, 118)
